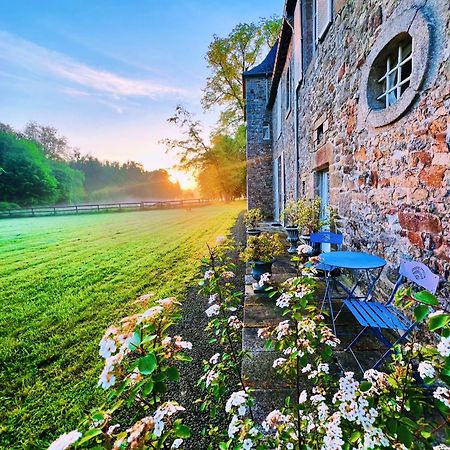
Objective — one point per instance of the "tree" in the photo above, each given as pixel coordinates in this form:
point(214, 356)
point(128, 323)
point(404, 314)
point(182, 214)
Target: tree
point(55, 146)
point(219, 167)
point(26, 178)
point(228, 58)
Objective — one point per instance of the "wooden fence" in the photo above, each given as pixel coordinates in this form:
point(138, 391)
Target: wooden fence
point(103, 207)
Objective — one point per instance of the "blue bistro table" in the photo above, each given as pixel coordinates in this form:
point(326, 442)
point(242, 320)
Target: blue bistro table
point(367, 266)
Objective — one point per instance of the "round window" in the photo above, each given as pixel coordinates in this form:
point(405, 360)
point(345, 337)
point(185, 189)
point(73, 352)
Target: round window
point(390, 74)
point(395, 69)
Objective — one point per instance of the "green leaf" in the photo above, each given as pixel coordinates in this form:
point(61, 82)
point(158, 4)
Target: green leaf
point(172, 373)
point(420, 312)
point(89, 435)
point(355, 436)
point(147, 364)
point(148, 387)
point(224, 445)
point(135, 341)
point(365, 386)
point(160, 387)
point(404, 435)
point(439, 321)
point(426, 297)
point(392, 425)
point(182, 431)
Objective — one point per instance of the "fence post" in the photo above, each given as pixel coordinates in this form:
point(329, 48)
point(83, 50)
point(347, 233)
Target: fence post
point(76, 209)
point(54, 210)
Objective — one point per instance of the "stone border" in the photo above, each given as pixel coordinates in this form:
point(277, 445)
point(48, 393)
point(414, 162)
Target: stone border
point(414, 23)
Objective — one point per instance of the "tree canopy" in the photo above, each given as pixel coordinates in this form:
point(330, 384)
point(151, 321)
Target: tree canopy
point(227, 58)
point(219, 166)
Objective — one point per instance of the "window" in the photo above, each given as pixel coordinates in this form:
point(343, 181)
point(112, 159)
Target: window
point(266, 132)
point(278, 114)
point(323, 16)
point(298, 59)
point(288, 88)
point(398, 73)
point(320, 134)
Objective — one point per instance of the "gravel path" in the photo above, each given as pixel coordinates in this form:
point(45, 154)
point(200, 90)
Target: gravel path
point(191, 327)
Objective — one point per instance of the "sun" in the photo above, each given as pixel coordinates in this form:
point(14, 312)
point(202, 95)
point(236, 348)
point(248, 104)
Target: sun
point(186, 180)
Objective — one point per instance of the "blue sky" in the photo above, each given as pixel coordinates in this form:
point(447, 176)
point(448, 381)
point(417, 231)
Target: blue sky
point(108, 73)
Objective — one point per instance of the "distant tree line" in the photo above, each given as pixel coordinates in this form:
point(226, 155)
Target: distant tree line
point(37, 167)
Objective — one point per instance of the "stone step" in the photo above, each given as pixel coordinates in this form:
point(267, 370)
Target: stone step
point(258, 372)
point(261, 315)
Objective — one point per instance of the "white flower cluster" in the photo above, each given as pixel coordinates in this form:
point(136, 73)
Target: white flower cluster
point(65, 441)
point(208, 274)
point(213, 310)
point(304, 249)
point(237, 399)
point(274, 419)
point(284, 300)
point(235, 323)
point(444, 347)
point(228, 275)
point(167, 409)
point(443, 394)
point(282, 329)
point(426, 370)
point(265, 278)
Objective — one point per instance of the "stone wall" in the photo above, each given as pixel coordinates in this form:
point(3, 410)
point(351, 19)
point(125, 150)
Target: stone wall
point(390, 184)
point(259, 150)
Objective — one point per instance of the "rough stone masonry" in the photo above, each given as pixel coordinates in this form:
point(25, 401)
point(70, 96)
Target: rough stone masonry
point(389, 168)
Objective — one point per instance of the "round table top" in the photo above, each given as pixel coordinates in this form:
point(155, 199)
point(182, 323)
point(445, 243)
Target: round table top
point(352, 260)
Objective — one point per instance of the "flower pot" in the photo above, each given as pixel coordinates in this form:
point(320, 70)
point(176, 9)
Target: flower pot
point(253, 231)
point(259, 267)
point(293, 237)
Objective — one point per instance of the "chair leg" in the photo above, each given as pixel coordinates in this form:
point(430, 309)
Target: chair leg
point(390, 349)
point(356, 339)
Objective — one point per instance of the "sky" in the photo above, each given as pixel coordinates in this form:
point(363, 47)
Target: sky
point(109, 73)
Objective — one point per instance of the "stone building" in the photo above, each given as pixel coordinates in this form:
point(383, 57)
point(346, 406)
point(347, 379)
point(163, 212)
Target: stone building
point(353, 105)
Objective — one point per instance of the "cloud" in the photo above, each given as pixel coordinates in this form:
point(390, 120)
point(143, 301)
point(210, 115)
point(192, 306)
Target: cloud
point(41, 61)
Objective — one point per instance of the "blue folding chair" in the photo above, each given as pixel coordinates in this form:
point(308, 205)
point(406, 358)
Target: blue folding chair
point(327, 237)
point(375, 316)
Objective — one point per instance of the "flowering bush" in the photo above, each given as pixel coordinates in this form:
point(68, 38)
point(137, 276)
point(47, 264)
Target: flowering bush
point(382, 410)
point(140, 358)
point(253, 217)
point(262, 248)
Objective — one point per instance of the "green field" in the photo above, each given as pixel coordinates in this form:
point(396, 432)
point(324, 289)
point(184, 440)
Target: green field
point(63, 280)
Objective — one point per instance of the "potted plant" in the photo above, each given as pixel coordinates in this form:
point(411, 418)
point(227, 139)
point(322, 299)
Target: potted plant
point(290, 219)
point(261, 252)
point(252, 218)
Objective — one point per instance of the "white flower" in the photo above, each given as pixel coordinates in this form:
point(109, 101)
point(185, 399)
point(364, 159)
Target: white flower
point(158, 428)
point(307, 368)
point(166, 341)
point(282, 329)
point(274, 419)
point(168, 302)
point(283, 301)
point(235, 323)
point(242, 410)
point(441, 447)
point(442, 394)
point(210, 377)
point(209, 274)
point(214, 358)
point(236, 399)
point(228, 275)
point(107, 347)
point(186, 345)
point(213, 298)
point(303, 397)
point(263, 332)
point(150, 313)
point(323, 367)
point(253, 432)
point(289, 446)
point(65, 440)
point(444, 346)
point(278, 362)
point(426, 370)
point(177, 443)
point(232, 427)
point(107, 377)
point(247, 444)
point(111, 429)
point(213, 310)
point(304, 249)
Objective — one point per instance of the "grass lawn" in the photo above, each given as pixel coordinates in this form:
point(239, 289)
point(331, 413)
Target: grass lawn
point(63, 280)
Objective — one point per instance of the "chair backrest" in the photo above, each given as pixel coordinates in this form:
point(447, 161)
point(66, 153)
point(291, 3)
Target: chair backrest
point(420, 274)
point(327, 237)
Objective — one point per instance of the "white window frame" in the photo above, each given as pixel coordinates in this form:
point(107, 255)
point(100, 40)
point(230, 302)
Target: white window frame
point(298, 45)
point(320, 34)
point(278, 111)
point(392, 79)
point(288, 87)
point(266, 132)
